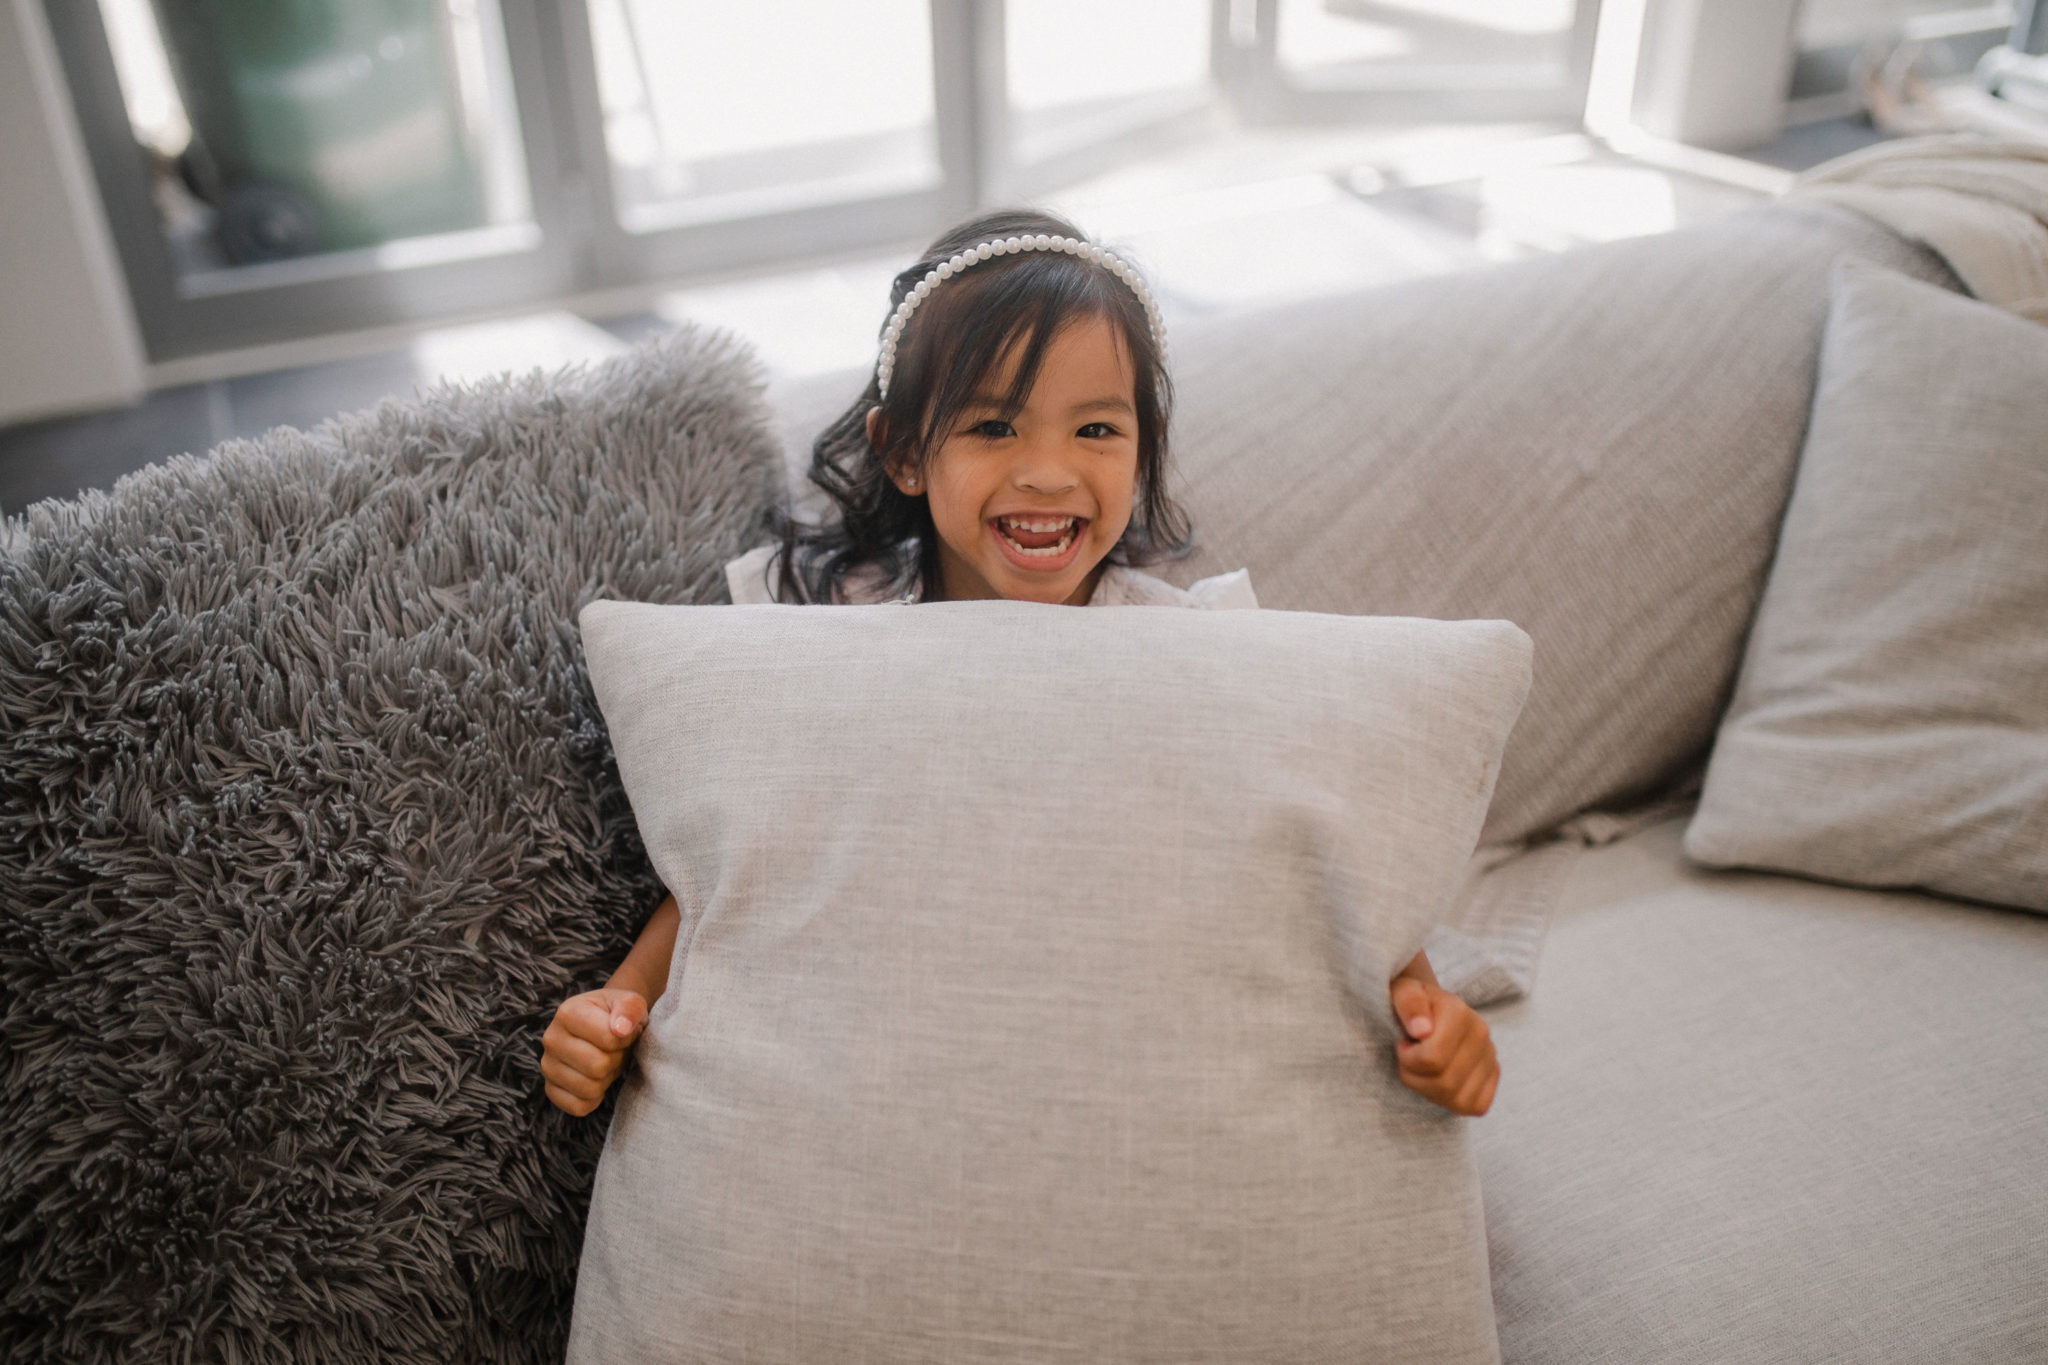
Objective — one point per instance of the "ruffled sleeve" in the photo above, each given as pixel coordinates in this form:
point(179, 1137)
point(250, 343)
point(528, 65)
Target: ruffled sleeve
point(746, 578)
point(1225, 591)
point(1124, 587)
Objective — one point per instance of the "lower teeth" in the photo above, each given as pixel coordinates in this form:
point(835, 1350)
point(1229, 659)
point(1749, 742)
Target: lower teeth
point(1046, 552)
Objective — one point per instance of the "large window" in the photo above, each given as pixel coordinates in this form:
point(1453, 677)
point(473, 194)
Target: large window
point(702, 121)
point(1427, 44)
point(383, 136)
point(1069, 105)
point(1844, 43)
point(1342, 59)
point(279, 168)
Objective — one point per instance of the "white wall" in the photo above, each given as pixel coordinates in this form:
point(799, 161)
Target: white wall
point(68, 340)
point(1714, 73)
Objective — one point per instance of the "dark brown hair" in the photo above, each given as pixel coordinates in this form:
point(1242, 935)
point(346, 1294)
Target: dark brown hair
point(953, 342)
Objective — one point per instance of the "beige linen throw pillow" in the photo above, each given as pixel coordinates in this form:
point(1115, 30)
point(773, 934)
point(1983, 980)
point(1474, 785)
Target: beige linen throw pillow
point(1030, 1001)
point(1890, 724)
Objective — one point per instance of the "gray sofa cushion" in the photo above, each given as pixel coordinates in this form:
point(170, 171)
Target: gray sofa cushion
point(306, 825)
point(1890, 727)
point(1030, 1001)
point(1755, 1120)
point(1597, 447)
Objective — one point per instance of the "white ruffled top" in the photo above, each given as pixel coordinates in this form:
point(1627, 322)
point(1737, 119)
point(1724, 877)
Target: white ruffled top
point(1117, 586)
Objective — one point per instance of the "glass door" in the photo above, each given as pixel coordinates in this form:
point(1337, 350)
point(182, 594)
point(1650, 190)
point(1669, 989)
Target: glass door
point(1070, 109)
point(1423, 59)
point(266, 164)
point(731, 133)
point(1843, 42)
point(718, 135)
point(275, 170)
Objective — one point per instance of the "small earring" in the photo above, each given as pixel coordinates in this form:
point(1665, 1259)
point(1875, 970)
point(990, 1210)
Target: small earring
point(910, 481)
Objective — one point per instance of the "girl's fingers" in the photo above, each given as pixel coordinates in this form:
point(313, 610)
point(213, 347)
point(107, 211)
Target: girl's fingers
point(590, 1018)
point(1454, 1067)
point(572, 1079)
point(1412, 1007)
point(597, 1063)
point(569, 1104)
point(1447, 1085)
point(1434, 1055)
point(1471, 1085)
point(553, 1073)
point(1474, 1093)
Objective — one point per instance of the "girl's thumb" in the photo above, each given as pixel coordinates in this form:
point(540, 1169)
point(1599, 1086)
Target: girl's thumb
point(629, 1014)
point(1411, 1007)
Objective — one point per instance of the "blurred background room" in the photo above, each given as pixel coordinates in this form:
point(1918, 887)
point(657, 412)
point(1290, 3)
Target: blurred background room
point(226, 215)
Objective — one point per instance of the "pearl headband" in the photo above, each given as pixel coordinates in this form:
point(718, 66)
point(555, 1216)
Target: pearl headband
point(1005, 246)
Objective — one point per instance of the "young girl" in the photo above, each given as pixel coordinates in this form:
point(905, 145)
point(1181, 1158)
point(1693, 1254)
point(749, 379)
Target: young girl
point(1011, 444)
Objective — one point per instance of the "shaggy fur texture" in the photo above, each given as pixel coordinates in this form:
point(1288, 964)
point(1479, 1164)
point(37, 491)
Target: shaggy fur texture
point(307, 823)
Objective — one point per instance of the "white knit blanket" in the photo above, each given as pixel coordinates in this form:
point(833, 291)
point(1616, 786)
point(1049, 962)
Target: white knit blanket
point(1980, 203)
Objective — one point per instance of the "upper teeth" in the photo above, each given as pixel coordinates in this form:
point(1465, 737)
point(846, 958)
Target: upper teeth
point(1039, 525)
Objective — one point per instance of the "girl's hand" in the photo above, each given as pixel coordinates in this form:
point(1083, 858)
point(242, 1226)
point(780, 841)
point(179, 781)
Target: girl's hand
point(1447, 1056)
point(584, 1048)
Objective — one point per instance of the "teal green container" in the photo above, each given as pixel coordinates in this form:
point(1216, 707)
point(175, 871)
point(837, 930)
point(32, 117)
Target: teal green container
point(350, 107)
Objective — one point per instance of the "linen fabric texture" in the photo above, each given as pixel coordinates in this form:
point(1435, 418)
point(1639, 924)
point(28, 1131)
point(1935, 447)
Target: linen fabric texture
point(1030, 1000)
point(747, 579)
point(1826, 1144)
point(1890, 726)
point(1597, 447)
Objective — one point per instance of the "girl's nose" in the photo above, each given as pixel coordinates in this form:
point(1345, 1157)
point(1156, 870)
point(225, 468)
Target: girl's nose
point(1042, 470)
point(1046, 482)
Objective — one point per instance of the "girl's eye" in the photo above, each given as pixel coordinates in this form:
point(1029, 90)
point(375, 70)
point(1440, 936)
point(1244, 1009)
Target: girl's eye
point(1097, 431)
point(993, 427)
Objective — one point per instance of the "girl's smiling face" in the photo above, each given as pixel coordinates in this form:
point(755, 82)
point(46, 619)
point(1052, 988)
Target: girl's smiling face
point(1026, 508)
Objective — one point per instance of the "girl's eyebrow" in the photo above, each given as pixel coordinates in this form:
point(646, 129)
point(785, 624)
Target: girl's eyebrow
point(1109, 404)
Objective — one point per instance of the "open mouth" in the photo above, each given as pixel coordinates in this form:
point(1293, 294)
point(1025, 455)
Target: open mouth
point(1042, 538)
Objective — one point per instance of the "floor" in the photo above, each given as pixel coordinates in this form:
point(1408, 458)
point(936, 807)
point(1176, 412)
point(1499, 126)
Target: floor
point(1234, 219)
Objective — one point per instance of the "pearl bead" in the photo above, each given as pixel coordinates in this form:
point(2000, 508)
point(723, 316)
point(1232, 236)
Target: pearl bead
point(982, 251)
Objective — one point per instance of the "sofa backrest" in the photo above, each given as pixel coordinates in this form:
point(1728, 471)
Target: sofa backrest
point(1596, 446)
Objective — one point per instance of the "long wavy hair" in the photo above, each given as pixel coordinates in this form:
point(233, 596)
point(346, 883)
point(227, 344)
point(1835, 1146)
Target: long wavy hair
point(956, 339)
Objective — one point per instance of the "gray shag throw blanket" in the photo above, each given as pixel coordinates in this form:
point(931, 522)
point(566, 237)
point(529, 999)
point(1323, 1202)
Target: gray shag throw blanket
point(307, 823)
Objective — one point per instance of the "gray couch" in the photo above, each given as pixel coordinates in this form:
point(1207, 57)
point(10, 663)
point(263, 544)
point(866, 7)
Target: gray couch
point(1743, 1117)
point(307, 821)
